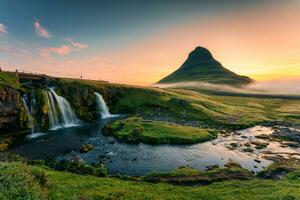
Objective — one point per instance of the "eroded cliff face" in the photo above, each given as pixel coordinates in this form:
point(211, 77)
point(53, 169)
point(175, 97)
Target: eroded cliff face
point(12, 113)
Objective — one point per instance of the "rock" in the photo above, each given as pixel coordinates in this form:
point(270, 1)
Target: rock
point(287, 134)
point(290, 144)
point(263, 136)
point(86, 148)
point(259, 145)
point(258, 161)
point(12, 111)
point(247, 149)
point(234, 145)
point(232, 164)
point(226, 135)
point(73, 157)
point(247, 144)
point(236, 133)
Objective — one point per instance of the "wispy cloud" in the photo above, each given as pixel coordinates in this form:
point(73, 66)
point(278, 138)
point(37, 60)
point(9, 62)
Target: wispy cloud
point(77, 46)
point(3, 29)
point(14, 50)
point(63, 50)
point(40, 30)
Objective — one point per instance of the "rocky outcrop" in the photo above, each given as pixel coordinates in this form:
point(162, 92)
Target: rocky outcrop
point(86, 148)
point(12, 113)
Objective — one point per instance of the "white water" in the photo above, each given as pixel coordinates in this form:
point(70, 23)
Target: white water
point(30, 119)
point(29, 114)
point(103, 108)
point(68, 116)
point(53, 115)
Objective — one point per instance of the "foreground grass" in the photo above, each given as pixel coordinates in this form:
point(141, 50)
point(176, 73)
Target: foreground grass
point(189, 176)
point(19, 181)
point(134, 129)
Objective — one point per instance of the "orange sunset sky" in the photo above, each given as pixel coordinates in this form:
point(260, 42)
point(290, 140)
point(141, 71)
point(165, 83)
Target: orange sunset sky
point(261, 41)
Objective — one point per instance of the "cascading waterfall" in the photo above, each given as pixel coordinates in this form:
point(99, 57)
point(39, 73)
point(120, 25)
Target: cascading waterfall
point(30, 113)
point(68, 116)
point(103, 108)
point(53, 116)
point(30, 119)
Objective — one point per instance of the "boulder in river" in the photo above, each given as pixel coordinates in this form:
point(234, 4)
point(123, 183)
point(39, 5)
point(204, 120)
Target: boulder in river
point(86, 148)
point(260, 145)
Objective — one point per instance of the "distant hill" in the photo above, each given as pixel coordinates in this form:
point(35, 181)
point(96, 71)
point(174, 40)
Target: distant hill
point(201, 66)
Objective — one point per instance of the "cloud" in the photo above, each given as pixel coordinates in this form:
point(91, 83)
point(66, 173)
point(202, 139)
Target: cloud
point(14, 50)
point(77, 46)
point(273, 87)
point(3, 29)
point(41, 31)
point(63, 50)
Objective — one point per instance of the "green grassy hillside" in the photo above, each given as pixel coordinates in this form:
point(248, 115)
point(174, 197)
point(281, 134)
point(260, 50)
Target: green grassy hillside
point(20, 181)
point(179, 105)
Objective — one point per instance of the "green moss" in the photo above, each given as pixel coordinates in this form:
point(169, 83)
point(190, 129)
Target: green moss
point(9, 79)
point(41, 109)
point(134, 129)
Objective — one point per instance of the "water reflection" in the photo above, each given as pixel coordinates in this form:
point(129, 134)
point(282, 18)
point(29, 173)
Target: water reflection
point(139, 159)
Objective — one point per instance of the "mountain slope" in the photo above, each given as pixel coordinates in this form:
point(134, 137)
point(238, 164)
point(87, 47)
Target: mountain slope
point(201, 66)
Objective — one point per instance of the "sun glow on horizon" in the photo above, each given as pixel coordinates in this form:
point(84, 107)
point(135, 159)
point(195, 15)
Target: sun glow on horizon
point(262, 43)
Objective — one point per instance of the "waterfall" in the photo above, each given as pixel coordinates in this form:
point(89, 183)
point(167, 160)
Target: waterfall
point(30, 119)
point(53, 117)
point(103, 108)
point(68, 116)
point(30, 113)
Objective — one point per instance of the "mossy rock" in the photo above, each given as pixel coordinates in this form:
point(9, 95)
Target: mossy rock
point(86, 148)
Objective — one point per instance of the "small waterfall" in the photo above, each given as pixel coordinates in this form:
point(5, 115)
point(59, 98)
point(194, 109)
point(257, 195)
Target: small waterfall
point(30, 113)
point(103, 108)
point(67, 114)
point(30, 119)
point(53, 117)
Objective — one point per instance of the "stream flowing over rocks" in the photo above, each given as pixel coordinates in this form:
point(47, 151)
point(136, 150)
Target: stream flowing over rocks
point(250, 147)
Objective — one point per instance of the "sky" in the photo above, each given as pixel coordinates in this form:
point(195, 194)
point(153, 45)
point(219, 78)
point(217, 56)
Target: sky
point(140, 42)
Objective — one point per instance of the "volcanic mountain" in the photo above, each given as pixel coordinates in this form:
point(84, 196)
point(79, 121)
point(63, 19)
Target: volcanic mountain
point(202, 67)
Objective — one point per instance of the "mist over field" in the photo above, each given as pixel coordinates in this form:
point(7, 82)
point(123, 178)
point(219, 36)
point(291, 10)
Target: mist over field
point(282, 87)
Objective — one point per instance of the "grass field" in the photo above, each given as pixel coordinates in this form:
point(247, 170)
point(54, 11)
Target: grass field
point(19, 181)
point(135, 129)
